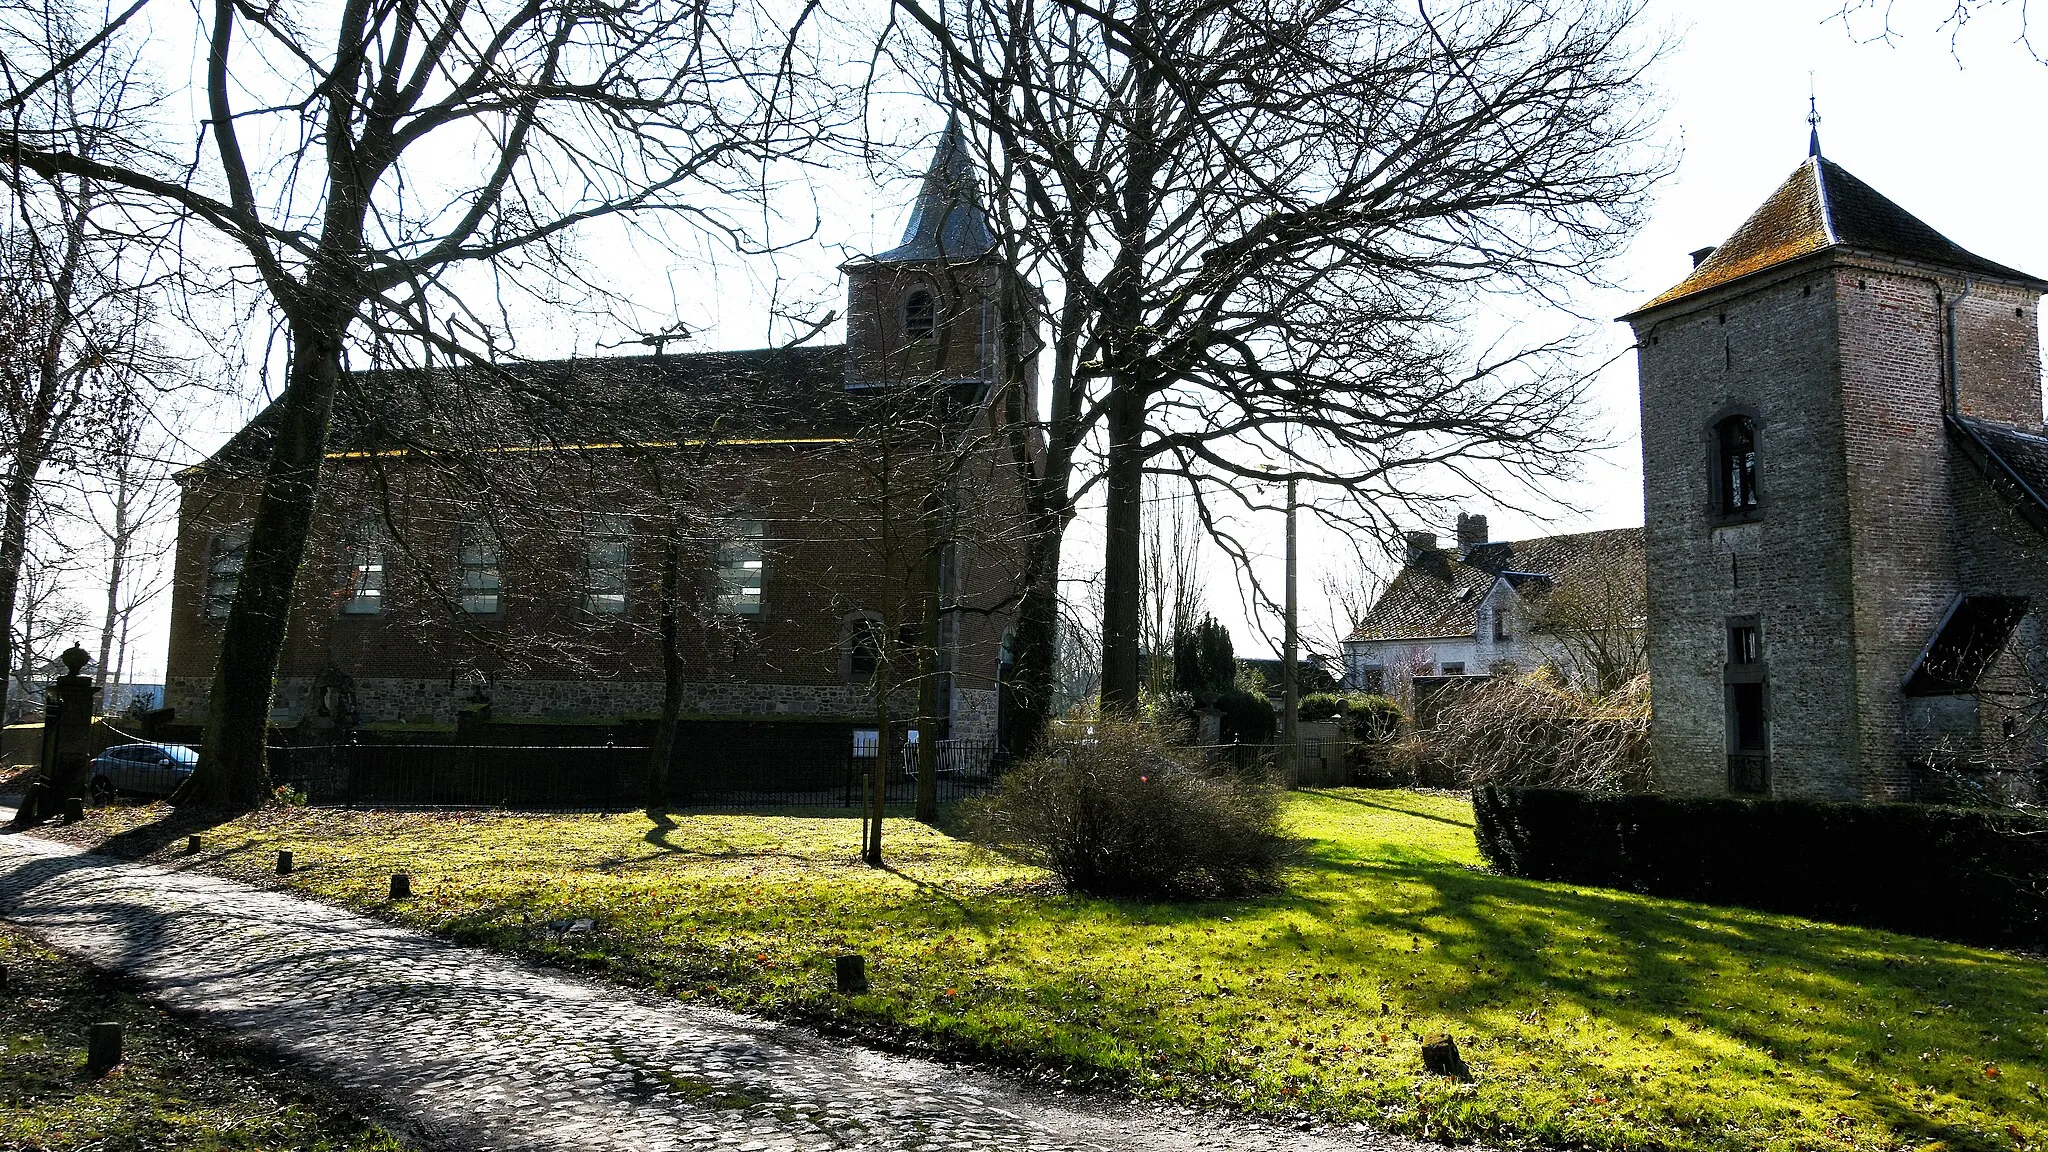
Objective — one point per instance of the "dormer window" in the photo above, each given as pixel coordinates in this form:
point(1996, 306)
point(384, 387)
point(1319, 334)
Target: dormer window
point(920, 316)
point(1735, 466)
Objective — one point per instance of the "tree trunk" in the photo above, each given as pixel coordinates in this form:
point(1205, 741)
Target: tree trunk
point(1127, 347)
point(885, 750)
point(232, 774)
point(13, 551)
point(671, 671)
point(108, 626)
point(928, 702)
point(1122, 571)
point(1035, 652)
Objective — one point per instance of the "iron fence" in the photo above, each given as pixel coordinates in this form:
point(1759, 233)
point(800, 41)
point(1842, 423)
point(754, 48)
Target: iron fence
point(612, 777)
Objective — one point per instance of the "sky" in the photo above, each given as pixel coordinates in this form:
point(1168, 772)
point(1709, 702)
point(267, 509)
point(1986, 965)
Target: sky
point(1950, 130)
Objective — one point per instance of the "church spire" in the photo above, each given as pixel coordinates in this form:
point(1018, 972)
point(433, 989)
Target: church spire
point(947, 222)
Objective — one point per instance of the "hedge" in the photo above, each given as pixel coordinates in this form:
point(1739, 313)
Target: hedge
point(1969, 875)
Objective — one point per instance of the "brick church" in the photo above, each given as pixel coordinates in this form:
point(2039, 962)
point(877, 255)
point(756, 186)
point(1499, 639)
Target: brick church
point(1846, 506)
point(424, 604)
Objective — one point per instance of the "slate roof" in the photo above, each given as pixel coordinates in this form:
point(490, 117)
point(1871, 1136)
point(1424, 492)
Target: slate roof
point(2015, 460)
point(778, 393)
point(1439, 596)
point(1822, 206)
point(947, 222)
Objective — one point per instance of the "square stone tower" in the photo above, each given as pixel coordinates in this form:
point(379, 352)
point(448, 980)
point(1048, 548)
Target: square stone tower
point(1844, 523)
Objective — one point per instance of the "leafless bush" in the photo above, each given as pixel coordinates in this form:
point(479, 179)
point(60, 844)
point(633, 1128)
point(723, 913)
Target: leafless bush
point(1534, 731)
point(1113, 809)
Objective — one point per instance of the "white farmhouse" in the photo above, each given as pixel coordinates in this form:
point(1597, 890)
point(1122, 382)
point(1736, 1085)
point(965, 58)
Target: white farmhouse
point(1478, 609)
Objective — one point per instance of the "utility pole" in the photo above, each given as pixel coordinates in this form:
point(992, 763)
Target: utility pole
point(1290, 660)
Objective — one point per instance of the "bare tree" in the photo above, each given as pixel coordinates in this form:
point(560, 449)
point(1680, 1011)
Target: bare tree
point(327, 166)
point(1889, 20)
point(75, 265)
point(46, 617)
point(1349, 591)
point(1173, 581)
point(128, 498)
point(1595, 626)
point(1261, 229)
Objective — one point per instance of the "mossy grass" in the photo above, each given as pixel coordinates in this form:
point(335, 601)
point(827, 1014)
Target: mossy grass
point(1589, 1017)
point(177, 1086)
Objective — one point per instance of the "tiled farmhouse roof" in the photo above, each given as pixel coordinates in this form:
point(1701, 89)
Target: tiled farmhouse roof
point(1822, 206)
point(779, 393)
point(2015, 460)
point(1439, 595)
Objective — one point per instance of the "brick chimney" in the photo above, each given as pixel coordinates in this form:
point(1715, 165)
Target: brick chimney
point(1471, 533)
point(1421, 546)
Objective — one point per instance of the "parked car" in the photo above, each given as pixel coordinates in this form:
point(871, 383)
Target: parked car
point(141, 769)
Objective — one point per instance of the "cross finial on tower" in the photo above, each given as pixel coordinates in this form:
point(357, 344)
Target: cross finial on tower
point(1812, 118)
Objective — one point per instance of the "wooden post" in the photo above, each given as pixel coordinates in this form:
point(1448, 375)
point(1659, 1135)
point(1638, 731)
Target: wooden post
point(102, 1047)
point(191, 845)
point(401, 886)
point(284, 862)
point(851, 973)
point(74, 809)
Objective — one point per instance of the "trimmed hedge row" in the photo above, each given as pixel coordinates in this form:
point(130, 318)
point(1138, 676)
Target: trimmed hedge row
point(1968, 875)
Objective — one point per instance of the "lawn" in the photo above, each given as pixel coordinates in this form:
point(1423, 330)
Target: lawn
point(177, 1088)
point(1589, 1016)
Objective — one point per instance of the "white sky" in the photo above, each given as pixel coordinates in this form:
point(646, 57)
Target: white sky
point(1954, 138)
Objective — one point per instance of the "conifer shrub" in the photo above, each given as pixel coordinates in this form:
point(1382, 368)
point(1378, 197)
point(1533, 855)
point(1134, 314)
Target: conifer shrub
point(1120, 812)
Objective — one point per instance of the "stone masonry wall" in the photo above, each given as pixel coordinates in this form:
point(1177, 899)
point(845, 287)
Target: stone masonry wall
point(1765, 349)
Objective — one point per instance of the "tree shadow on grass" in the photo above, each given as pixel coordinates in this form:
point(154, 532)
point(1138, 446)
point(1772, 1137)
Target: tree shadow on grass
point(1352, 797)
point(145, 840)
point(1697, 980)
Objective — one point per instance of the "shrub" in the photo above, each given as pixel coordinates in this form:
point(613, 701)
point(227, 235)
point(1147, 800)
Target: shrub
point(1248, 717)
point(1203, 663)
point(1126, 814)
point(1959, 874)
point(1536, 732)
point(1319, 706)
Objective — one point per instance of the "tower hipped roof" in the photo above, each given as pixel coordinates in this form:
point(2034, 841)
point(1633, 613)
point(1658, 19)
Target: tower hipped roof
point(1822, 206)
point(947, 222)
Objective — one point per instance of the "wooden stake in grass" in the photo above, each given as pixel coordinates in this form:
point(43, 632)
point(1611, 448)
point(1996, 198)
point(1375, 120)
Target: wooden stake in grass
point(191, 845)
point(852, 974)
point(1440, 1056)
point(102, 1047)
point(401, 886)
point(284, 862)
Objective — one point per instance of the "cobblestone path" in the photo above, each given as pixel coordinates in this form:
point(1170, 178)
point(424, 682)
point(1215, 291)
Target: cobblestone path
point(471, 1050)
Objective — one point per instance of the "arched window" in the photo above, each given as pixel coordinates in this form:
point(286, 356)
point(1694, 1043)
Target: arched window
point(482, 590)
point(224, 573)
point(1735, 466)
point(606, 550)
point(861, 646)
point(920, 316)
point(742, 569)
point(364, 595)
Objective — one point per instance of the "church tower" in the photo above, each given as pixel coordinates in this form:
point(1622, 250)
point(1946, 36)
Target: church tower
point(1844, 469)
point(928, 308)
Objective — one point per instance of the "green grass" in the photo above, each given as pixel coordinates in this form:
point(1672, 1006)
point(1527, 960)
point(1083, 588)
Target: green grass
point(1589, 1016)
point(177, 1087)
